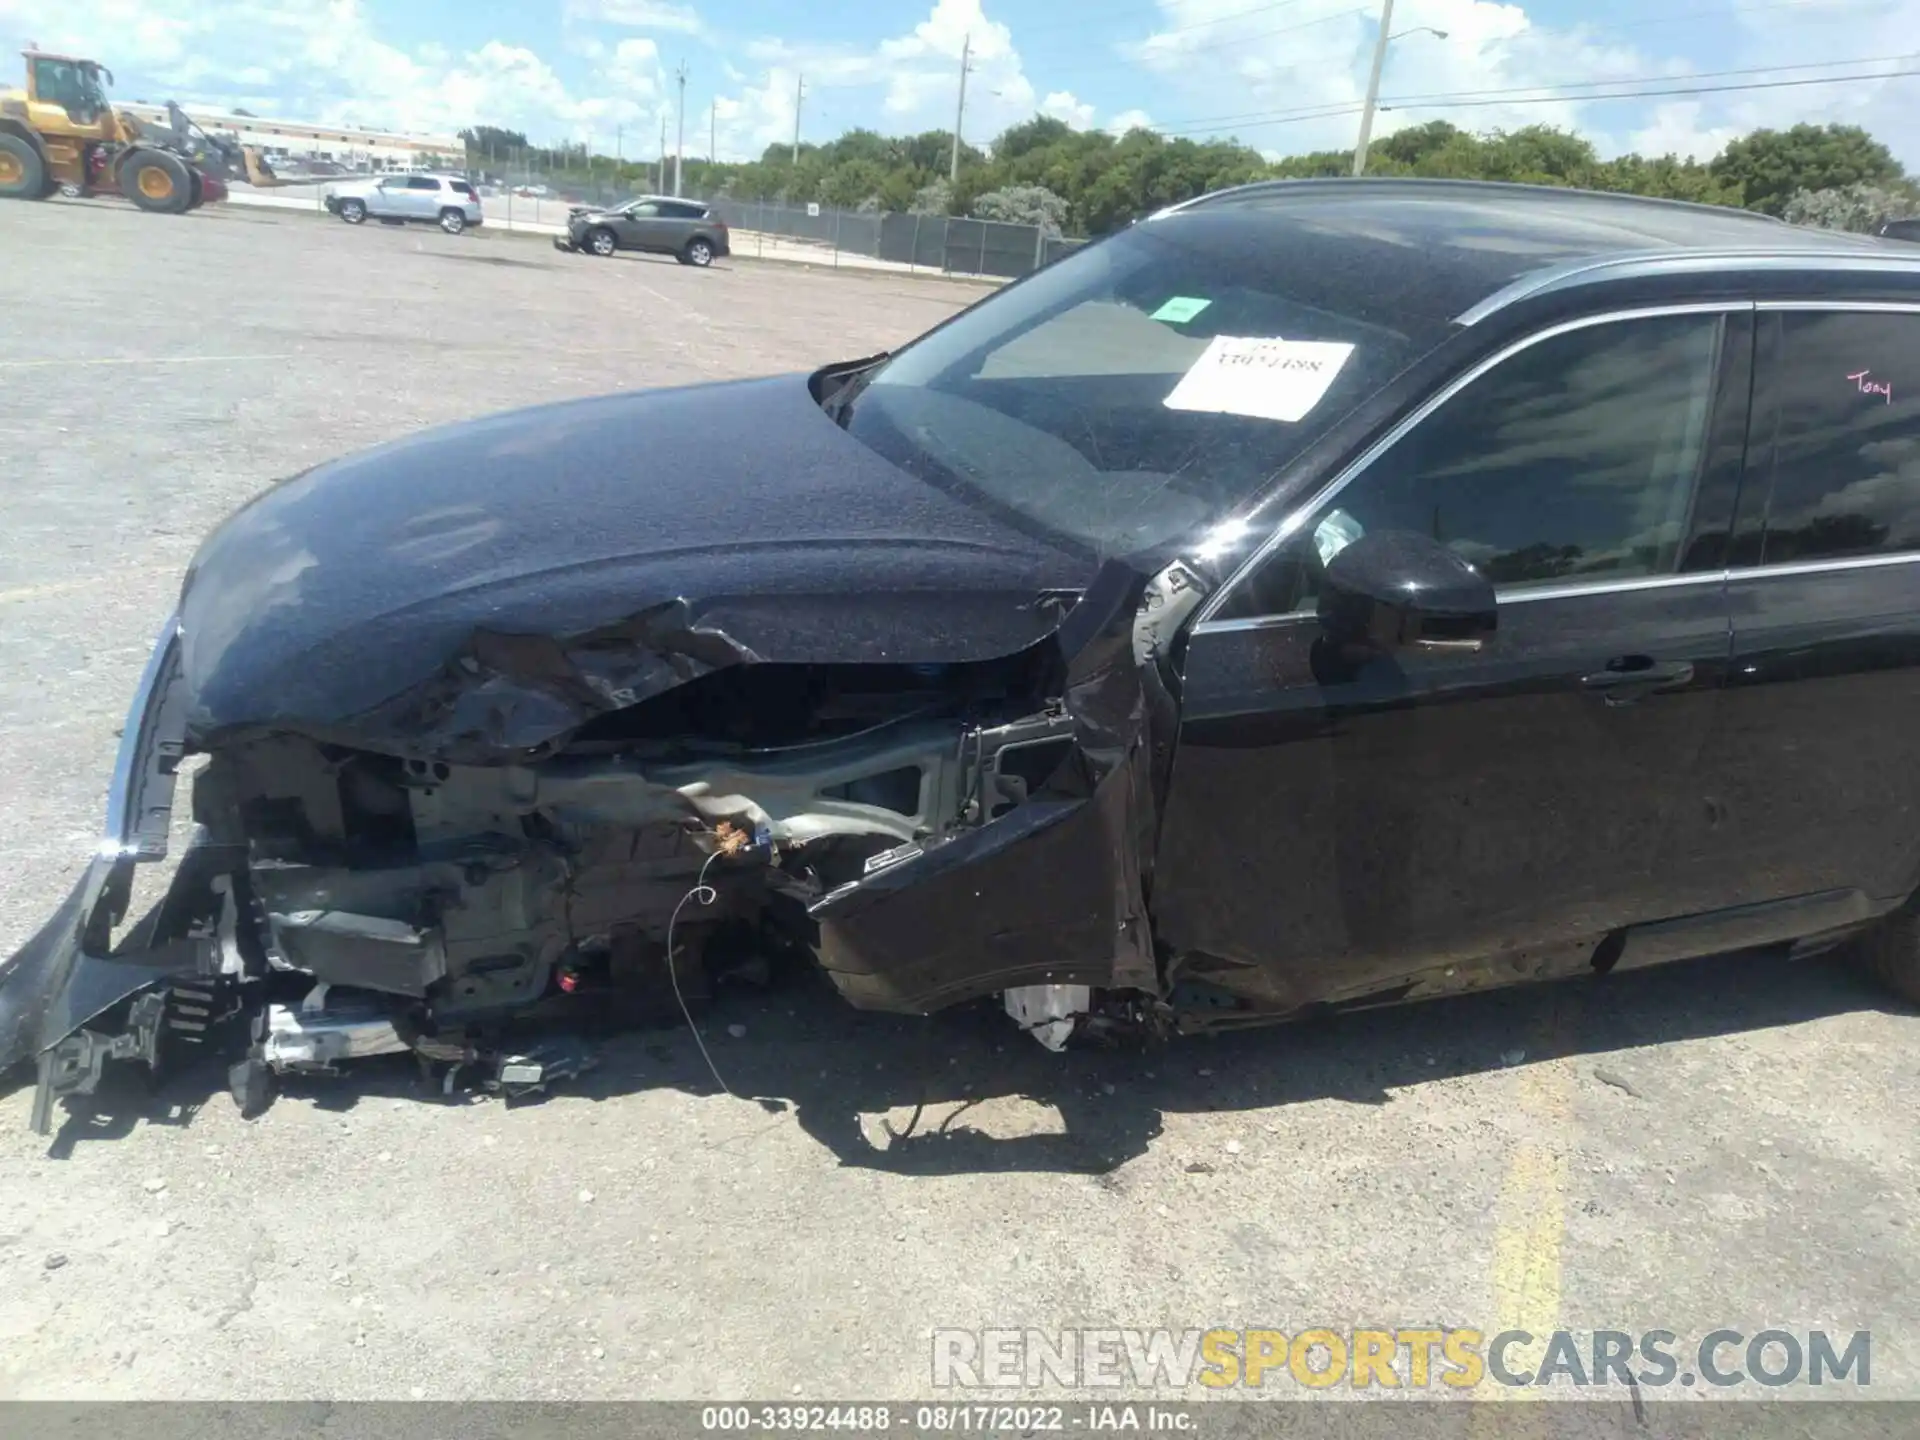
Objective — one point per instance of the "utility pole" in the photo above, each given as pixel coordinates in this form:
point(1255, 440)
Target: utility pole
point(1373, 88)
point(960, 113)
point(680, 139)
point(619, 155)
point(799, 94)
point(660, 176)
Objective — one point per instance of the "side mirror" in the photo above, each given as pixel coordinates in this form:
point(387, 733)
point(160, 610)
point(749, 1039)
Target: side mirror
point(1398, 590)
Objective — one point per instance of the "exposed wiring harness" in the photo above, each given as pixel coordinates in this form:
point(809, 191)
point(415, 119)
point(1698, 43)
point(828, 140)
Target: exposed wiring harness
point(706, 895)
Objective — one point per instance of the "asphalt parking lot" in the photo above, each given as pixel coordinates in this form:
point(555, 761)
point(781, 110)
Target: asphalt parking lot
point(1727, 1144)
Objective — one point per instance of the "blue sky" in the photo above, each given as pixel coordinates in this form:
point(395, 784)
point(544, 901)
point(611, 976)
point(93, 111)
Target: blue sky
point(1284, 75)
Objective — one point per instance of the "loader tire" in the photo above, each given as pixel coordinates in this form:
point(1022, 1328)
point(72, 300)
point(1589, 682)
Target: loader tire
point(157, 180)
point(23, 174)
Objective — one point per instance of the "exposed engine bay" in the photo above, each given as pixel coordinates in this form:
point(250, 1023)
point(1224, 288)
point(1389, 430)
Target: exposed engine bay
point(930, 834)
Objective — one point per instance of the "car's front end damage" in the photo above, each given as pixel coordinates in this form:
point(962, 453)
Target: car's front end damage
point(580, 219)
point(602, 819)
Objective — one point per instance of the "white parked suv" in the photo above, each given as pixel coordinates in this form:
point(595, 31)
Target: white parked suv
point(443, 200)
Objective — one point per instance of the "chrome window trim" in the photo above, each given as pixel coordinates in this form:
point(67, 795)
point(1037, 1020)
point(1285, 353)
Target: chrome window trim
point(1786, 569)
point(1890, 307)
point(1822, 567)
point(1610, 587)
point(1297, 517)
point(1866, 256)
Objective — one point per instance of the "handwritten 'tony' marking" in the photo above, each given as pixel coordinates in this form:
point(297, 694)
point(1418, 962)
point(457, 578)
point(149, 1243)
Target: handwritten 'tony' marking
point(1872, 387)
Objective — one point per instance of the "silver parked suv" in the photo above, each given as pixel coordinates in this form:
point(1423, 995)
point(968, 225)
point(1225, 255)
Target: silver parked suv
point(663, 224)
point(443, 200)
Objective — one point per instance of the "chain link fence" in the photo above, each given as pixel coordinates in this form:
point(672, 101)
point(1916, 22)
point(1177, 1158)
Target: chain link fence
point(520, 197)
point(945, 243)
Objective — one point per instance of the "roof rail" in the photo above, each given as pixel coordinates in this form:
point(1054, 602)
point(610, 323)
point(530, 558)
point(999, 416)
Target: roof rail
point(1402, 184)
point(1570, 274)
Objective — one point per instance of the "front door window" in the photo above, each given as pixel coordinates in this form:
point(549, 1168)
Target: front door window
point(1573, 460)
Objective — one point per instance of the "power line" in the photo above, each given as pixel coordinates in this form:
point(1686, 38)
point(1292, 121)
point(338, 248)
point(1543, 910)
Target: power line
point(1196, 123)
point(1314, 112)
point(1472, 99)
point(1637, 94)
point(1136, 60)
point(1650, 79)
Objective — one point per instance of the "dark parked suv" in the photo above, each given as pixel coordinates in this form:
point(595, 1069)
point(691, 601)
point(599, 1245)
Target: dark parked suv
point(684, 229)
point(1317, 595)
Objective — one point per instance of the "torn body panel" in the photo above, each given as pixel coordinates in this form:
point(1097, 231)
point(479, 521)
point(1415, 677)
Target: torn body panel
point(1051, 894)
point(933, 833)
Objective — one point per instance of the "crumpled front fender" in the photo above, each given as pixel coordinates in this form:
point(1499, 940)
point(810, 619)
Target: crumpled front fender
point(65, 976)
point(1054, 892)
point(52, 986)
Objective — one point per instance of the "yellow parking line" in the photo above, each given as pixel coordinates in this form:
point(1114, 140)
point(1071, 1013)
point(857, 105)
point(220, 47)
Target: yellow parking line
point(1531, 1214)
point(143, 360)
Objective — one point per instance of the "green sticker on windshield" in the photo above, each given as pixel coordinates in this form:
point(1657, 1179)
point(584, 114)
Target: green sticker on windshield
point(1180, 309)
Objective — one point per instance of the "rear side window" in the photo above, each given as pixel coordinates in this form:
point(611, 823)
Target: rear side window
point(686, 212)
point(422, 182)
point(1846, 469)
point(461, 187)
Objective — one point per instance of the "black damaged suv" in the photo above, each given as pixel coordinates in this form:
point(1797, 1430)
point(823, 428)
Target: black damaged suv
point(1318, 594)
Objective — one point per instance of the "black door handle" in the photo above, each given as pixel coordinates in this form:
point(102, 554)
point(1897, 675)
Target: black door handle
point(1628, 677)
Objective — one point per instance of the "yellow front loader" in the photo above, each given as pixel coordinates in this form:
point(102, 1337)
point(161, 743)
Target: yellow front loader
point(61, 134)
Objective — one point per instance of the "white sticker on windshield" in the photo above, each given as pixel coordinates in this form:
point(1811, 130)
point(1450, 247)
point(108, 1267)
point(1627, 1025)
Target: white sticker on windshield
point(1270, 379)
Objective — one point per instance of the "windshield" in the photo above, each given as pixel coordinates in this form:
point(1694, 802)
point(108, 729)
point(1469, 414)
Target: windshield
point(1139, 388)
point(93, 90)
point(76, 85)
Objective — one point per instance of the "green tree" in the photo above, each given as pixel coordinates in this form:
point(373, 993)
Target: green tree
point(1040, 133)
point(1862, 209)
point(1412, 145)
point(485, 139)
point(933, 198)
point(1771, 166)
point(1023, 205)
point(851, 183)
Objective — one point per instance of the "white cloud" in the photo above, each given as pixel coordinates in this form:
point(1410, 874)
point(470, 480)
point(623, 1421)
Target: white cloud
point(638, 14)
point(917, 74)
point(761, 115)
point(1293, 80)
point(1128, 120)
point(1678, 128)
point(329, 62)
point(1062, 105)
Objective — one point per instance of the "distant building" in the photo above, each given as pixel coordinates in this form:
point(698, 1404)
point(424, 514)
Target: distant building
point(297, 143)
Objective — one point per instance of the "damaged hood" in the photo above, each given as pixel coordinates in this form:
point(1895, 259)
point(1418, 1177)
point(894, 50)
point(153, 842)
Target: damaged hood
point(487, 587)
